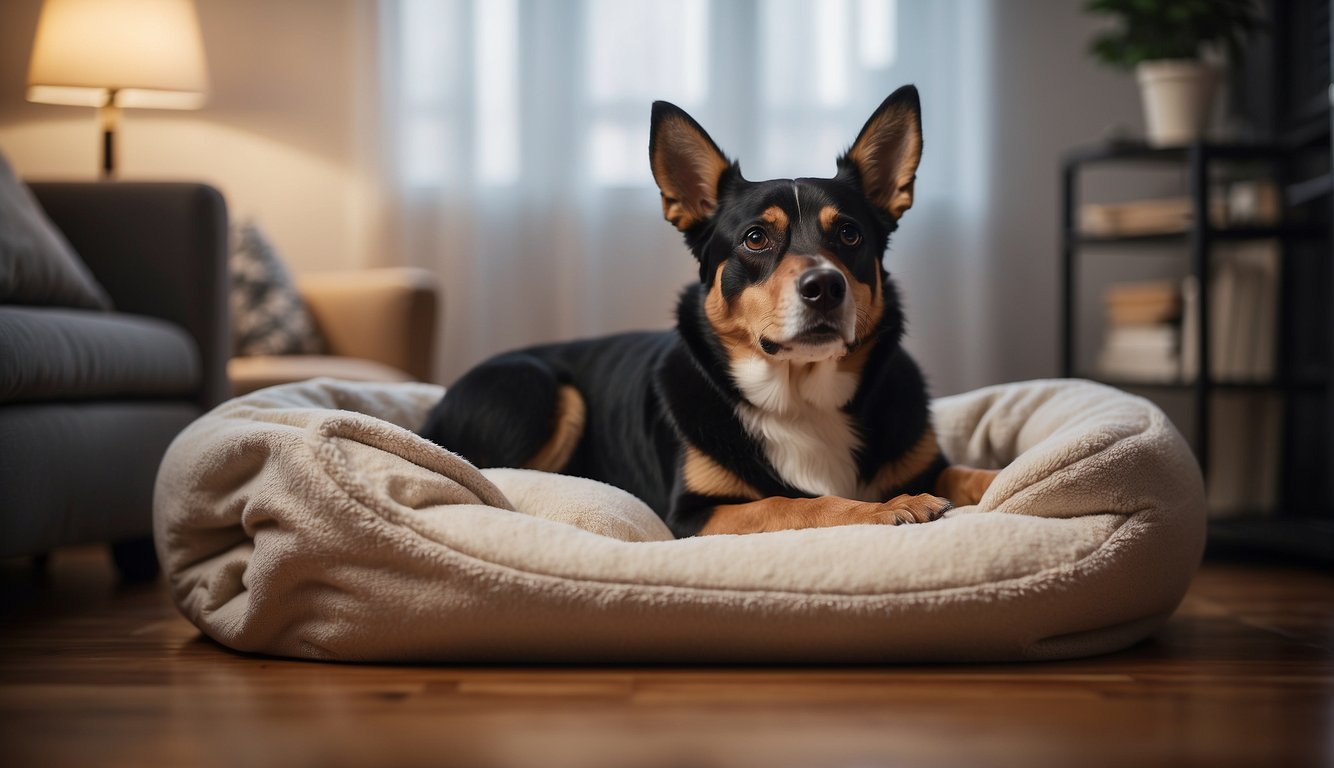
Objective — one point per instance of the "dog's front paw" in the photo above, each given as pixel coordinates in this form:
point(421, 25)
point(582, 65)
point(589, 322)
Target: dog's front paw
point(921, 508)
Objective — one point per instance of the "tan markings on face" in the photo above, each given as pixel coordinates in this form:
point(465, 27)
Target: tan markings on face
point(828, 215)
point(707, 477)
point(775, 217)
point(730, 327)
point(571, 414)
point(866, 299)
point(918, 459)
point(778, 291)
point(758, 310)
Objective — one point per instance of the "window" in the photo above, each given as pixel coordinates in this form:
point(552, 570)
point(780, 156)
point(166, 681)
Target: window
point(474, 77)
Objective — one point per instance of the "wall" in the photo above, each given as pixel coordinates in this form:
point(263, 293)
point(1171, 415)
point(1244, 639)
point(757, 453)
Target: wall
point(1049, 96)
point(282, 135)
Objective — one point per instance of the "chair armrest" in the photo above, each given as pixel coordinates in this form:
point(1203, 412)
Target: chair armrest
point(159, 249)
point(387, 315)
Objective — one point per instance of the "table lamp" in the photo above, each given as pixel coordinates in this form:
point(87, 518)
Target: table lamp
point(113, 54)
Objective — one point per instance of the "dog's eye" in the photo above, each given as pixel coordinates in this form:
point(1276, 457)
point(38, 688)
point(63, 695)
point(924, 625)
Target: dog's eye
point(849, 235)
point(755, 239)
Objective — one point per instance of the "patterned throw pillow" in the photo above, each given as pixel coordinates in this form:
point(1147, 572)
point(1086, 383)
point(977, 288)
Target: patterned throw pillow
point(268, 316)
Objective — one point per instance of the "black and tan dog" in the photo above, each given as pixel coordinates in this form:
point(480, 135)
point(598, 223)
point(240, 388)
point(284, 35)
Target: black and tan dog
point(783, 399)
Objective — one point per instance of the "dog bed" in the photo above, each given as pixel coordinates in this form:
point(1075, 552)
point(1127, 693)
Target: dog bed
point(308, 520)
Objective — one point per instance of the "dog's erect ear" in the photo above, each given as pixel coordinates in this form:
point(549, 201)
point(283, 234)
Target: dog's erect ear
point(686, 164)
point(886, 152)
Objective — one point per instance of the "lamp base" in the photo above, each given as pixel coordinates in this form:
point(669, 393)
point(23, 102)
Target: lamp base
point(109, 116)
point(108, 153)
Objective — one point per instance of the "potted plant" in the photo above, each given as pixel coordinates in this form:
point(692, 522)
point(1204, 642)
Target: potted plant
point(1164, 42)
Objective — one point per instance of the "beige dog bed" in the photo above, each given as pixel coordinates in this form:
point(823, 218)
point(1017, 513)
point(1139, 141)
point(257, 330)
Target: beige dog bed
point(308, 520)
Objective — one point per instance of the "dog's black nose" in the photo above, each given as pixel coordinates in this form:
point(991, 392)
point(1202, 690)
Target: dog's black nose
point(822, 288)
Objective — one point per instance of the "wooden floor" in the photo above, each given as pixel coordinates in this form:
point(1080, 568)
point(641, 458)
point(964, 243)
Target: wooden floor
point(95, 674)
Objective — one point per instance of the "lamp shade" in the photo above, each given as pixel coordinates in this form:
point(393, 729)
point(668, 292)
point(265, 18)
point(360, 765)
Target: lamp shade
point(125, 53)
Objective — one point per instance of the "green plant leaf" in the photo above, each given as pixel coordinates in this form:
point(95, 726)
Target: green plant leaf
point(1148, 30)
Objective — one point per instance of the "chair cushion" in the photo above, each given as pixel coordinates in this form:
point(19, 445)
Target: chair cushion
point(37, 264)
point(309, 521)
point(253, 372)
point(50, 353)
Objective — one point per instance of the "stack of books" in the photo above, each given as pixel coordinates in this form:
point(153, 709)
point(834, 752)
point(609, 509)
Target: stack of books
point(1143, 340)
point(1152, 327)
point(1164, 216)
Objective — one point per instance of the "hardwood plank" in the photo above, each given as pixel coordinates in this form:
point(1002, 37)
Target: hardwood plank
point(94, 674)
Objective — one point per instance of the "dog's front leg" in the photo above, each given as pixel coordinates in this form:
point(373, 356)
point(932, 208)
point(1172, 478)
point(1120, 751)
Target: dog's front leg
point(964, 485)
point(778, 513)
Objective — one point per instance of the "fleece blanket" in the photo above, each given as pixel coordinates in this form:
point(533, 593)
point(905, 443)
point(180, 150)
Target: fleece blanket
point(308, 520)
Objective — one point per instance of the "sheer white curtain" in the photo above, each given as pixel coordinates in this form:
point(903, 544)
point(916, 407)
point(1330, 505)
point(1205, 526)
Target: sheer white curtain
point(516, 135)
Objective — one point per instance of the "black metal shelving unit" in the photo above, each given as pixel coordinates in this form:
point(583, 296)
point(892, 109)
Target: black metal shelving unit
point(1199, 161)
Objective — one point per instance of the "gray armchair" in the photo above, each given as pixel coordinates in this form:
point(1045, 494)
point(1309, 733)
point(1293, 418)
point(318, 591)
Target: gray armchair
point(89, 400)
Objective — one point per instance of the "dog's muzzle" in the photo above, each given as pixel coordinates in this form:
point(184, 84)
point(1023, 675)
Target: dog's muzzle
point(820, 325)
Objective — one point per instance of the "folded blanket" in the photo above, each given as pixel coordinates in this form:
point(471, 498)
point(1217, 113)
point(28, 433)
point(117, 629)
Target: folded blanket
point(309, 520)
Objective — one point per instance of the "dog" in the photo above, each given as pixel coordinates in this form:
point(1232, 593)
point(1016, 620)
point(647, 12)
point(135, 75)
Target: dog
point(783, 399)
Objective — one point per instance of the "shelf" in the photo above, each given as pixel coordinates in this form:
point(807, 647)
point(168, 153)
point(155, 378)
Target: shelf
point(1313, 134)
point(1288, 231)
point(1306, 192)
point(1230, 234)
point(1281, 537)
point(1156, 238)
point(1189, 386)
point(1147, 154)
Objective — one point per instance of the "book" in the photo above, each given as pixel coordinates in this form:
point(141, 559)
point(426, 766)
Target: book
point(1141, 353)
point(1258, 263)
point(1144, 292)
point(1247, 202)
point(1142, 342)
point(1243, 314)
point(1161, 216)
point(1142, 303)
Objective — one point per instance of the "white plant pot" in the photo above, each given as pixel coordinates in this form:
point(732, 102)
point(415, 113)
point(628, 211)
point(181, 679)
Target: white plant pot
point(1178, 99)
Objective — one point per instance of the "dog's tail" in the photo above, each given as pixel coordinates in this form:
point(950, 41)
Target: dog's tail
point(511, 411)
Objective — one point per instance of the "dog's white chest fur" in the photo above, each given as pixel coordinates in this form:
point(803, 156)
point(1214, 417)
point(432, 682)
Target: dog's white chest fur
point(794, 410)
